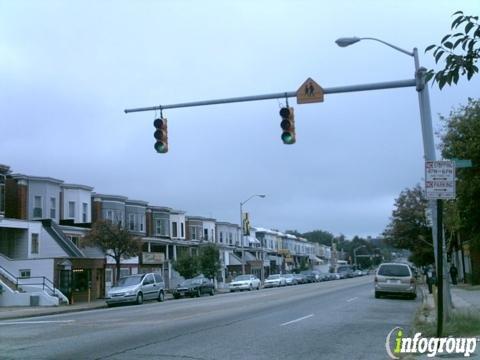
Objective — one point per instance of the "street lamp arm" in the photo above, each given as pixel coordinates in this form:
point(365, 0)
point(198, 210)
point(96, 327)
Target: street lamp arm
point(388, 44)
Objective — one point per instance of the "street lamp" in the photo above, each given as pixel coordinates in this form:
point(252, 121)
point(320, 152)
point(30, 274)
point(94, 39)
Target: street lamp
point(241, 227)
point(355, 253)
point(429, 155)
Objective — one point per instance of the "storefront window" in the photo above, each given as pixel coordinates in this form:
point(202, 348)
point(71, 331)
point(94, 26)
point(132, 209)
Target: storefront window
point(81, 279)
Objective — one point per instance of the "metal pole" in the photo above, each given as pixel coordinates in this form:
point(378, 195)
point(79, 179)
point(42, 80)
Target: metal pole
point(282, 95)
point(242, 238)
point(439, 271)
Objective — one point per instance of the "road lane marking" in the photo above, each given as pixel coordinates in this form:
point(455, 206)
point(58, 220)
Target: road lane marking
point(297, 320)
point(352, 299)
point(36, 322)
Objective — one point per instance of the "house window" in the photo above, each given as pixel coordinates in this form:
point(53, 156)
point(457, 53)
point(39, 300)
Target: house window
point(84, 212)
point(37, 207)
point(109, 216)
point(161, 227)
point(25, 273)
point(131, 222)
point(221, 237)
point(142, 221)
point(34, 248)
point(205, 234)
point(71, 209)
point(193, 232)
point(182, 234)
point(174, 229)
point(212, 233)
point(53, 208)
point(230, 239)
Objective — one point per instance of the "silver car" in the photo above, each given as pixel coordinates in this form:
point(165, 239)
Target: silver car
point(274, 281)
point(245, 282)
point(395, 278)
point(136, 289)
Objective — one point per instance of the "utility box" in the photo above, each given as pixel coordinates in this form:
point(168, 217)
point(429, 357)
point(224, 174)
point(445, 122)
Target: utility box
point(34, 300)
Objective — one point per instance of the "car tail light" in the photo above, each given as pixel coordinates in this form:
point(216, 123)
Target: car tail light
point(412, 281)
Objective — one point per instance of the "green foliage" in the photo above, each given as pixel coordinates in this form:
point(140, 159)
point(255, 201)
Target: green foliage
point(319, 236)
point(187, 265)
point(114, 241)
point(408, 228)
point(461, 140)
point(209, 260)
point(459, 50)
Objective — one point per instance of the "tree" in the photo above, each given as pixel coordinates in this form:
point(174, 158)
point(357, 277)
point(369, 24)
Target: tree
point(461, 140)
point(209, 260)
point(114, 241)
point(460, 51)
point(319, 236)
point(187, 265)
point(408, 228)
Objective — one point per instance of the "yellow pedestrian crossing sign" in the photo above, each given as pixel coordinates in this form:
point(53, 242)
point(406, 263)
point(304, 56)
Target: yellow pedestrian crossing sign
point(309, 92)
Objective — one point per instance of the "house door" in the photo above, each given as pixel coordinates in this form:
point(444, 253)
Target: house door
point(66, 283)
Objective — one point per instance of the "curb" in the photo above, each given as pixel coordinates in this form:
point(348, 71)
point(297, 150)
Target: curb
point(53, 312)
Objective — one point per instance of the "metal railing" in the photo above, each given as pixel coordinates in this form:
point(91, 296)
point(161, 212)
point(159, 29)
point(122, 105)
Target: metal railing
point(18, 281)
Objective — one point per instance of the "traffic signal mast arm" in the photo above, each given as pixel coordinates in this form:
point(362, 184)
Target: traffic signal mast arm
point(290, 94)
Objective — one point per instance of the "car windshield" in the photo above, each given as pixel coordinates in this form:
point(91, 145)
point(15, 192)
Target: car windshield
point(273, 277)
point(129, 280)
point(393, 270)
point(288, 275)
point(242, 278)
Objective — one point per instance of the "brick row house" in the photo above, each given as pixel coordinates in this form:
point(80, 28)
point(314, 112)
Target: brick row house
point(42, 220)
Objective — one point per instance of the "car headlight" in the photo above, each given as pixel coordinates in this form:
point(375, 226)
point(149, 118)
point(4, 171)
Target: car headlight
point(131, 292)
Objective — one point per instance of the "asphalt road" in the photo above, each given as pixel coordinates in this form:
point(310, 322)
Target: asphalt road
point(330, 320)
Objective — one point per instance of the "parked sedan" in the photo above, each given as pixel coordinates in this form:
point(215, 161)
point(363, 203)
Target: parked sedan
point(274, 281)
point(310, 276)
point(194, 287)
point(290, 279)
point(245, 282)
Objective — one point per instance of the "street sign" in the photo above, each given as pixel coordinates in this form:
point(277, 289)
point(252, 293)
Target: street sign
point(309, 92)
point(462, 163)
point(440, 179)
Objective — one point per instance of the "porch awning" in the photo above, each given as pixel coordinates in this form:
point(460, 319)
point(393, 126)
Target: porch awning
point(233, 260)
point(253, 240)
point(249, 256)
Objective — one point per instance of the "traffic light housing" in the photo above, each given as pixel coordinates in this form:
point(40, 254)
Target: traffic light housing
point(288, 125)
point(161, 135)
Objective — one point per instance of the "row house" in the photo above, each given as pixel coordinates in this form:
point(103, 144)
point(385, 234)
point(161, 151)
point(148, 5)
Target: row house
point(39, 223)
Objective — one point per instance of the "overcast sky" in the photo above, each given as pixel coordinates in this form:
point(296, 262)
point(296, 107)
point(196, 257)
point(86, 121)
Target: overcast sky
point(68, 69)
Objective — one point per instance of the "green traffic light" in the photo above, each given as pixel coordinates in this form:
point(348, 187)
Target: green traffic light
point(160, 147)
point(288, 138)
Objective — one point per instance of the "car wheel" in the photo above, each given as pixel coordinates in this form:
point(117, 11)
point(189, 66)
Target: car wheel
point(161, 296)
point(212, 292)
point(139, 299)
point(250, 287)
point(413, 296)
point(176, 296)
point(258, 287)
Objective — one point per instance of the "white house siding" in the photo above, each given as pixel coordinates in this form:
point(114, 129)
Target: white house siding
point(179, 219)
point(79, 195)
point(47, 190)
point(47, 247)
point(16, 235)
point(37, 267)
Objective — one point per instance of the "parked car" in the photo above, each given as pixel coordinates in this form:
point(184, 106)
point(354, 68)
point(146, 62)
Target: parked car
point(345, 271)
point(194, 287)
point(274, 281)
point(290, 279)
point(301, 279)
point(310, 276)
point(245, 282)
point(136, 289)
point(335, 276)
point(395, 278)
